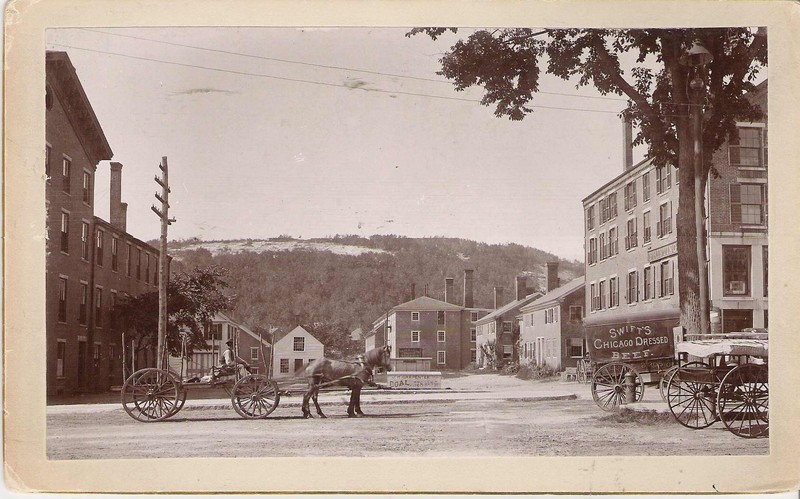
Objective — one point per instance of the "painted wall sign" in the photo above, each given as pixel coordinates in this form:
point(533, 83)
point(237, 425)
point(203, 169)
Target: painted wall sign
point(663, 252)
point(631, 341)
point(414, 380)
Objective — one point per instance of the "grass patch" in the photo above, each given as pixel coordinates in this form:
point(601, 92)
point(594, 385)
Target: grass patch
point(647, 417)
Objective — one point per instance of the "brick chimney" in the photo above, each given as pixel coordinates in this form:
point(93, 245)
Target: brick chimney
point(627, 144)
point(552, 276)
point(521, 286)
point(448, 290)
point(468, 301)
point(413, 291)
point(498, 297)
point(118, 212)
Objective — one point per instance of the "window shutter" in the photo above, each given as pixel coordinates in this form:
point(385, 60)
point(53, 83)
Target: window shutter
point(736, 203)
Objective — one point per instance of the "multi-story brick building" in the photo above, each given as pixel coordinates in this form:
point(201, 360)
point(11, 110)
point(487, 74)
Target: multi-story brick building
point(90, 263)
point(631, 241)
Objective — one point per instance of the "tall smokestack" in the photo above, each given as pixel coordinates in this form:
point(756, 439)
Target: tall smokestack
point(521, 286)
point(448, 290)
point(552, 276)
point(468, 301)
point(627, 144)
point(118, 210)
point(413, 291)
point(426, 290)
point(498, 297)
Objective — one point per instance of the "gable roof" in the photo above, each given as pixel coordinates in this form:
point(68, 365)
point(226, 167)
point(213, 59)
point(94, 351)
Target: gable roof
point(278, 336)
point(425, 303)
point(222, 317)
point(555, 295)
point(508, 307)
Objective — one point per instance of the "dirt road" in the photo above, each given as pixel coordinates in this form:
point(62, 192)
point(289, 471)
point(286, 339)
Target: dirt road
point(458, 428)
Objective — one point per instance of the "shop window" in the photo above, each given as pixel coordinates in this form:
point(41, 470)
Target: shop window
point(736, 270)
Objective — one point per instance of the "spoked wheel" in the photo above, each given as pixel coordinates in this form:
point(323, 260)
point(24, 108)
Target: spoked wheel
point(691, 396)
point(608, 385)
point(255, 396)
point(664, 382)
point(151, 394)
point(743, 401)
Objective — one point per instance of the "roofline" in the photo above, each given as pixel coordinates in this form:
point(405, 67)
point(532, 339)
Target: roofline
point(535, 307)
point(610, 182)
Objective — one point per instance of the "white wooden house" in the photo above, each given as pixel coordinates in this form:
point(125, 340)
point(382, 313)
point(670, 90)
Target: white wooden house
point(294, 350)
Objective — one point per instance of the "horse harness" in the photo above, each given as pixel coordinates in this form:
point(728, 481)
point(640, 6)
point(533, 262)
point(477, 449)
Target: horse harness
point(364, 369)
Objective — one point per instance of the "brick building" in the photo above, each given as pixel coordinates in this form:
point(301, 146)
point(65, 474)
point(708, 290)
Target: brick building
point(90, 263)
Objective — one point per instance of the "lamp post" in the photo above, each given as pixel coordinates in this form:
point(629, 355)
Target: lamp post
point(696, 59)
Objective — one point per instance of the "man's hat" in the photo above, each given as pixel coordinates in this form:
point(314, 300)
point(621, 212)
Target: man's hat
point(229, 342)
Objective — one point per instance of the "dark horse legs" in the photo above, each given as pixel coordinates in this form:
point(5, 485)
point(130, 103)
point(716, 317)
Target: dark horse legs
point(311, 394)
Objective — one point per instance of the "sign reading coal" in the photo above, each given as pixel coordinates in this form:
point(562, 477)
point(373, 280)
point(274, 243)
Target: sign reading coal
point(631, 341)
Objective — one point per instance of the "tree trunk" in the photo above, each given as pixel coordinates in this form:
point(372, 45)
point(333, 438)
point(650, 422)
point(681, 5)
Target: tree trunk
point(688, 275)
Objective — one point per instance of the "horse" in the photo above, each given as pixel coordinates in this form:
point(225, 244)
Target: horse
point(353, 375)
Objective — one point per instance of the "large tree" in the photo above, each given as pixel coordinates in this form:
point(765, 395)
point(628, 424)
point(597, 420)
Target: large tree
point(192, 301)
point(507, 64)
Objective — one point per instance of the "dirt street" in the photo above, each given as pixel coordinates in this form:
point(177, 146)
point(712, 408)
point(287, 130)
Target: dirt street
point(434, 428)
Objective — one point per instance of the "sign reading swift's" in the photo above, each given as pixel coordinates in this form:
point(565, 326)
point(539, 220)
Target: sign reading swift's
point(631, 340)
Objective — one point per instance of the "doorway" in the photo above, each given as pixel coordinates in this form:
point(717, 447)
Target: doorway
point(298, 364)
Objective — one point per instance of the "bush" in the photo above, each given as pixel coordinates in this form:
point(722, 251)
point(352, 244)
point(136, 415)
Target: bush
point(510, 368)
point(529, 370)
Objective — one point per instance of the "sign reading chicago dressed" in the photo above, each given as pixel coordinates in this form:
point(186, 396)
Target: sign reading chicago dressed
point(639, 340)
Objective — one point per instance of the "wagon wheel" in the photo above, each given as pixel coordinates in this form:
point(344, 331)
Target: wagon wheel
point(743, 400)
point(179, 403)
point(255, 396)
point(608, 385)
point(692, 402)
point(664, 382)
point(151, 394)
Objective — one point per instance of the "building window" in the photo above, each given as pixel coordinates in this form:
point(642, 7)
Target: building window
point(284, 366)
point(299, 344)
point(473, 316)
point(62, 299)
point(99, 250)
point(664, 224)
point(667, 280)
point(507, 326)
point(663, 178)
point(736, 270)
point(48, 152)
point(440, 336)
point(645, 187)
point(548, 316)
point(646, 227)
point(602, 291)
point(765, 258)
point(575, 348)
point(66, 174)
point(630, 195)
point(440, 317)
point(98, 307)
point(473, 335)
point(87, 188)
point(592, 256)
point(254, 354)
point(64, 232)
point(632, 239)
point(85, 241)
point(613, 292)
point(112, 317)
point(613, 242)
point(61, 355)
point(595, 302)
point(612, 205)
point(96, 352)
point(604, 214)
point(441, 357)
point(633, 286)
point(473, 355)
point(414, 316)
point(414, 336)
point(648, 283)
point(147, 268)
point(603, 247)
point(128, 264)
point(508, 352)
point(747, 147)
point(114, 254)
point(575, 313)
point(213, 331)
point(748, 204)
point(84, 305)
point(139, 264)
point(590, 217)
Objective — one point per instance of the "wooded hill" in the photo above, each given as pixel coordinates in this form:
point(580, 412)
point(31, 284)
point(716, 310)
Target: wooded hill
point(350, 281)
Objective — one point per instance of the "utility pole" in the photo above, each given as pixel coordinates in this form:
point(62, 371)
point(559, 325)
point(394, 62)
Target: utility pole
point(163, 271)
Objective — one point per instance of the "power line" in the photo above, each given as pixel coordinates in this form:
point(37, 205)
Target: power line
point(324, 66)
point(298, 80)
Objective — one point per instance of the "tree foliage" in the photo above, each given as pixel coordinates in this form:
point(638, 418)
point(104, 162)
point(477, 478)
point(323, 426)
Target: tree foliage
point(192, 301)
point(336, 338)
point(645, 65)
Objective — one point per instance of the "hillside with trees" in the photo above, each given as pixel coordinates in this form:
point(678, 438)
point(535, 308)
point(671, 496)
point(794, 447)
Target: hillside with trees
point(347, 289)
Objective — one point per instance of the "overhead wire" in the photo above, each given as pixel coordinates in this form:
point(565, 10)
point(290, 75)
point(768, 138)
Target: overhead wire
point(299, 80)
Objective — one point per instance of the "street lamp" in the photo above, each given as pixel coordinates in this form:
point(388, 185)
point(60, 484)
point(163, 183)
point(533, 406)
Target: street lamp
point(696, 58)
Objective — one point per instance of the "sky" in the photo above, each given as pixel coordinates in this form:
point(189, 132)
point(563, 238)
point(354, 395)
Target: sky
point(324, 131)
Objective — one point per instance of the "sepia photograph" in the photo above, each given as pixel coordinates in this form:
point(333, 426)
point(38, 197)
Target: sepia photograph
point(419, 241)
